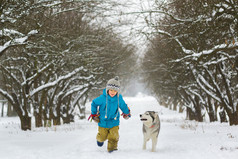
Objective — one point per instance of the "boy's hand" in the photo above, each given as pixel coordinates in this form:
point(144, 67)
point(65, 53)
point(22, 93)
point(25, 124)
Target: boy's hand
point(126, 116)
point(96, 119)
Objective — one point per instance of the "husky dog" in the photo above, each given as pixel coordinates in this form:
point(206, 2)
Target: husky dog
point(151, 128)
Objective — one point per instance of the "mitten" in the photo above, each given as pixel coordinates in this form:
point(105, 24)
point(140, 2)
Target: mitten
point(95, 117)
point(126, 116)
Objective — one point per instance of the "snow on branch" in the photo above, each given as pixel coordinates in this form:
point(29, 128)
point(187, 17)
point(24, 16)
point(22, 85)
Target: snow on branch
point(196, 56)
point(218, 90)
point(52, 84)
point(6, 95)
point(9, 32)
point(80, 94)
point(198, 95)
point(186, 51)
point(190, 54)
point(10, 74)
point(206, 83)
point(16, 40)
point(213, 95)
point(37, 74)
point(217, 48)
point(172, 16)
point(76, 89)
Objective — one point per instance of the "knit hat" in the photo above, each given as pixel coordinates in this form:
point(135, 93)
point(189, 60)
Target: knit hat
point(113, 84)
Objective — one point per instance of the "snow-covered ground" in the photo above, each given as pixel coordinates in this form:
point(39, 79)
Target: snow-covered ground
point(178, 138)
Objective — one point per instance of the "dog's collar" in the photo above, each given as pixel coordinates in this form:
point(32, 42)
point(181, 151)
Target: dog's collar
point(152, 126)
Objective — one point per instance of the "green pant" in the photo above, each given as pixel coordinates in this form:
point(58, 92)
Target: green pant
point(112, 134)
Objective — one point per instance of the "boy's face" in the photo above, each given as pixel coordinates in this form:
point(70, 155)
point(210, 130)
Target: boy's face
point(112, 93)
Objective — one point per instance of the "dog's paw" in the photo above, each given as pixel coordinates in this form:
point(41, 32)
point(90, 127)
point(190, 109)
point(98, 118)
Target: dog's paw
point(153, 150)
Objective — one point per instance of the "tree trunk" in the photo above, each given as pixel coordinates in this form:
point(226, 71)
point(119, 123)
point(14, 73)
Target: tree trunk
point(56, 120)
point(198, 109)
point(2, 109)
point(180, 109)
point(56, 117)
point(190, 114)
point(82, 112)
point(222, 115)
point(25, 123)
point(47, 123)
point(233, 118)
point(212, 116)
point(48, 116)
point(68, 119)
point(175, 104)
point(38, 120)
point(25, 120)
point(211, 111)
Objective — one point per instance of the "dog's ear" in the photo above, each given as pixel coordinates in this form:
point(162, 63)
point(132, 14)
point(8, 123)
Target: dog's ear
point(153, 113)
point(156, 113)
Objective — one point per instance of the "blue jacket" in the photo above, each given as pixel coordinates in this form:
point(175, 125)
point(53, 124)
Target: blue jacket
point(109, 112)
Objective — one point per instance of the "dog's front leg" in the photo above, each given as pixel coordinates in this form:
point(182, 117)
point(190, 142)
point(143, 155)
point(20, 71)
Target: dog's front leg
point(154, 143)
point(144, 144)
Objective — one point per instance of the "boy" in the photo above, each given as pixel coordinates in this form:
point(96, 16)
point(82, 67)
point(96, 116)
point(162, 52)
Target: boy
point(105, 111)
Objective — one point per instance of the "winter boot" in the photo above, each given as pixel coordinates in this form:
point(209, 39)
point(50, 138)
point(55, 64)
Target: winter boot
point(112, 150)
point(100, 144)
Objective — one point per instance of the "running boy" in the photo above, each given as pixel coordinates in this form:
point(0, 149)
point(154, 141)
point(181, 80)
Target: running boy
point(105, 111)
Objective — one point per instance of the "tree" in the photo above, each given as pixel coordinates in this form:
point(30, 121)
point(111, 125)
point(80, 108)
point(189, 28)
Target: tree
point(198, 41)
point(66, 57)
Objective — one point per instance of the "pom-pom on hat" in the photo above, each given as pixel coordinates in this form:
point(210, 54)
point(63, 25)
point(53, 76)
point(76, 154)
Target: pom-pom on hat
point(113, 84)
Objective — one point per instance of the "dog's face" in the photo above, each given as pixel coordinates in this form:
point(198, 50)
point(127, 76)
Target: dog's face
point(148, 116)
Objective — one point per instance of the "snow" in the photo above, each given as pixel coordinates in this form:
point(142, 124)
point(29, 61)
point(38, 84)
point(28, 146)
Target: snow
point(33, 32)
point(50, 84)
point(178, 138)
point(14, 41)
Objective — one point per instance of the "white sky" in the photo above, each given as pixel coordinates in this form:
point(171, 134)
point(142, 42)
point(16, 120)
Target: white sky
point(131, 25)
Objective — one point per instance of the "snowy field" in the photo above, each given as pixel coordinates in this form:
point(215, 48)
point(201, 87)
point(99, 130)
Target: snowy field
point(178, 139)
